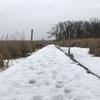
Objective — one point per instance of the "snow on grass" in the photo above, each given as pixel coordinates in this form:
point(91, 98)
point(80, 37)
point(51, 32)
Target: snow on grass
point(82, 55)
point(48, 75)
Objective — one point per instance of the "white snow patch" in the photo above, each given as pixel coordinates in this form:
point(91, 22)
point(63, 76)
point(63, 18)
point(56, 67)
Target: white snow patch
point(82, 55)
point(48, 75)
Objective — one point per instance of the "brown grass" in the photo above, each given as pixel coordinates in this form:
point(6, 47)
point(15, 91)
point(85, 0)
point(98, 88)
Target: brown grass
point(93, 44)
point(16, 49)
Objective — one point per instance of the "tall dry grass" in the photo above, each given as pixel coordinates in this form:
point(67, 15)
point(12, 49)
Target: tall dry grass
point(16, 49)
point(11, 49)
point(92, 43)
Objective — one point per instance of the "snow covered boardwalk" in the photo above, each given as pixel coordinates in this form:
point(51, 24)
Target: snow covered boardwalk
point(48, 75)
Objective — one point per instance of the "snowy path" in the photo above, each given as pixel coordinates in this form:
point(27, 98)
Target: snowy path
point(48, 75)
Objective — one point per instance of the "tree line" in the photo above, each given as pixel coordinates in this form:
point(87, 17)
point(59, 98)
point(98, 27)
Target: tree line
point(76, 29)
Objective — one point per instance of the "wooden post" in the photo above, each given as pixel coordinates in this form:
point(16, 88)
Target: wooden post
point(31, 35)
point(42, 41)
point(69, 44)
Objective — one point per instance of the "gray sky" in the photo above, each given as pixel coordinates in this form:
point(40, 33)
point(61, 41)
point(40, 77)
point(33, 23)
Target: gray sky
point(22, 15)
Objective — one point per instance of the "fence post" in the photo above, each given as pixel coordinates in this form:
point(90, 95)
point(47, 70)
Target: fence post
point(69, 44)
point(31, 35)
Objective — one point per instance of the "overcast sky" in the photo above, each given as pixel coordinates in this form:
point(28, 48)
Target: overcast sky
point(22, 15)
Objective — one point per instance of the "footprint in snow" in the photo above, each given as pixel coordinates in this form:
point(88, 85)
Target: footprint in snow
point(54, 77)
point(33, 81)
point(54, 74)
point(37, 97)
point(59, 84)
point(41, 72)
point(31, 68)
point(67, 90)
point(46, 82)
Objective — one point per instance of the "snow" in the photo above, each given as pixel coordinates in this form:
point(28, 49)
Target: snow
point(48, 74)
point(82, 55)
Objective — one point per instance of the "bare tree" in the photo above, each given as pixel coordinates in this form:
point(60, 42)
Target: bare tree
point(76, 29)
